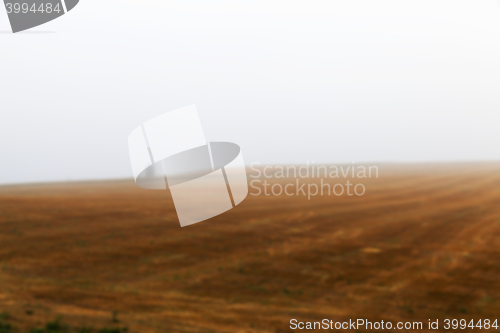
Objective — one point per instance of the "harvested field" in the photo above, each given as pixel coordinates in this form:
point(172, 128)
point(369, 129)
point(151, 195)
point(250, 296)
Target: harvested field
point(422, 243)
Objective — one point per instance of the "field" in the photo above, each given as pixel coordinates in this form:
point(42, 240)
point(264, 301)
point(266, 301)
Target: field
point(422, 243)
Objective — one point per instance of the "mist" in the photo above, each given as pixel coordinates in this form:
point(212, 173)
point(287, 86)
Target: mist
point(289, 81)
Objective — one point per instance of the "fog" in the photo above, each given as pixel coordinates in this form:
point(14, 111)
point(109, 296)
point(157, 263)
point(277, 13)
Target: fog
point(289, 81)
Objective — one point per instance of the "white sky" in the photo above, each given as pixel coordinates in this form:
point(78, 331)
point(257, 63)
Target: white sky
point(289, 81)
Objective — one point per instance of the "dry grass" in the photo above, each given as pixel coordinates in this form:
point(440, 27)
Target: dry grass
point(424, 242)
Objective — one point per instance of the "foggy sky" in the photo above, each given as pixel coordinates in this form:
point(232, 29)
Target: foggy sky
point(289, 81)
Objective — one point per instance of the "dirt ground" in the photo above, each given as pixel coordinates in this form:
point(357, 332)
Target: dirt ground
point(422, 243)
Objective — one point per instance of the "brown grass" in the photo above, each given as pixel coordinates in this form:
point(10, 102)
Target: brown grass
point(422, 243)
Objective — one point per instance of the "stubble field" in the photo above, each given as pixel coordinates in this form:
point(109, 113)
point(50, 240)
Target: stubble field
point(422, 243)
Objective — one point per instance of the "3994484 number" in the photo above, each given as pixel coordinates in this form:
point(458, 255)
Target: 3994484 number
point(463, 324)
point(34, 8)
